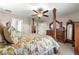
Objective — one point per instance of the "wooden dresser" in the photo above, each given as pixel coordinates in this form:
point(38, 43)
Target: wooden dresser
point(76, 37)
point(50, 33)
point(60, 35)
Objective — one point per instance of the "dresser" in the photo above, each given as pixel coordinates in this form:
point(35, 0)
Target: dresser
point(50, 33)
point(60, 35)
point(76, 37)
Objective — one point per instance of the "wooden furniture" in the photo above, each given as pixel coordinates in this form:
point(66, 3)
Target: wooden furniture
point(50, 33)
point(54, 22)
point(33, 26)
point(2, 33)
point(57, 33)
point(60, 35)
point(70, 32)
point(76, 37)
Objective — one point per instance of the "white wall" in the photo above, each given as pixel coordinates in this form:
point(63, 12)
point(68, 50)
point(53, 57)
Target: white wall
point(72, 16)
point(41, 28)
point(4, 18)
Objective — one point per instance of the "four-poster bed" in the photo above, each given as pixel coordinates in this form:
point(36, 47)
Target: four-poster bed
point(56, 31)
point(54, 22)
point(33, 26)
point(31, 43)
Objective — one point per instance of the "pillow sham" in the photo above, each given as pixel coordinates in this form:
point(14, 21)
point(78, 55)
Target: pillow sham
point(7, 35)
point(11, 35)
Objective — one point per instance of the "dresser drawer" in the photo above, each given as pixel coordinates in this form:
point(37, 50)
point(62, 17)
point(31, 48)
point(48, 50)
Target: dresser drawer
point(59, 35)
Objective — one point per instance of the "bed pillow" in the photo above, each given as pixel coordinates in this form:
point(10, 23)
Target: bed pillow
point(12, 36)
point(7, 35)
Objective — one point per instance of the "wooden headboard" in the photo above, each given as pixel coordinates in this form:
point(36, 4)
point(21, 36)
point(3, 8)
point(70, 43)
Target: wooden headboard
point(1, 32)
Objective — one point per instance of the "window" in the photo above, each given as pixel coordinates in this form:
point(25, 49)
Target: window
point(17, 24)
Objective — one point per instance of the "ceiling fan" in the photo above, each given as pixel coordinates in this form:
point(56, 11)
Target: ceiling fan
point(40, 13)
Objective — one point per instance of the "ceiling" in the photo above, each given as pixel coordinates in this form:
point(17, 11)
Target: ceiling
point(25, 9)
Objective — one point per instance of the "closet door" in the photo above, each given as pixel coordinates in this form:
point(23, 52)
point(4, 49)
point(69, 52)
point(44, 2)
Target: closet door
point(76, 38)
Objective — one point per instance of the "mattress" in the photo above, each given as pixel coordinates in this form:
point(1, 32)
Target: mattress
point(31, 44)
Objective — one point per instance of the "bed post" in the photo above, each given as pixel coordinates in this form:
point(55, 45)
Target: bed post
point(33, 26)
point(54, 22)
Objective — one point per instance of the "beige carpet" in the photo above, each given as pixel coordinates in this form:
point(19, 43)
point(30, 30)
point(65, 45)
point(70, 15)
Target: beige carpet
point(66, 49)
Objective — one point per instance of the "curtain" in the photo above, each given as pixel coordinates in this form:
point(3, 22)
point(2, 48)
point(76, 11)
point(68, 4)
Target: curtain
point(17, 25)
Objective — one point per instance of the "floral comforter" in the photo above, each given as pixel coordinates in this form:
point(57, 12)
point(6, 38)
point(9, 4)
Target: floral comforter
point(31, 44)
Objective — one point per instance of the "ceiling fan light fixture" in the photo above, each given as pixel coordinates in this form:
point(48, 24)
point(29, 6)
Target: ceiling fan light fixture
point(39, 14)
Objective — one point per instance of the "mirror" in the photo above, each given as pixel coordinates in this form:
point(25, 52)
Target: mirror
point(58, 24)
point(69, 31)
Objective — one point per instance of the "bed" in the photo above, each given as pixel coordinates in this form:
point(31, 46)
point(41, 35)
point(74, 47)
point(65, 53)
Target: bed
point(31, 44)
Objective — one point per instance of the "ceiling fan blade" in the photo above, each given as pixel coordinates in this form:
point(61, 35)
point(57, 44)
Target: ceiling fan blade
point(45, 11)
point(35, 11)
point(46, 15)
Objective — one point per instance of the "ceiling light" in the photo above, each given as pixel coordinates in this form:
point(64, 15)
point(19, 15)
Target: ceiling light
point(40, 14)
